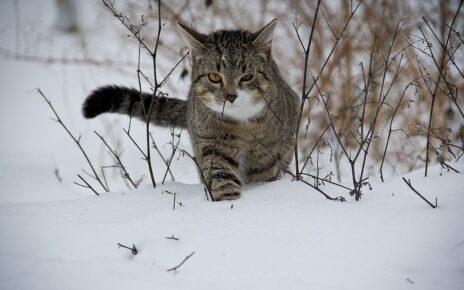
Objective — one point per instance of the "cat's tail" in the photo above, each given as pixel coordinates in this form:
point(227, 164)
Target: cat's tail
point(113, 99)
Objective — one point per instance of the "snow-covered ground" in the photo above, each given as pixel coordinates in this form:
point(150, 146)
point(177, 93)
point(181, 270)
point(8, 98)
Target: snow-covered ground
point(280, 235)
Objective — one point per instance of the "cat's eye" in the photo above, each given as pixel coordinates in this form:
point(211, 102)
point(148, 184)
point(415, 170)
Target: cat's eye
point(246, 78)
point(214, 78)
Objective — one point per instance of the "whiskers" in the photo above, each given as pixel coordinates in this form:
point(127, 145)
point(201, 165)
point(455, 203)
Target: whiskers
point(204, 115)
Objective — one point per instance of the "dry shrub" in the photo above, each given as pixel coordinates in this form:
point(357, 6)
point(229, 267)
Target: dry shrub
point(342, 82)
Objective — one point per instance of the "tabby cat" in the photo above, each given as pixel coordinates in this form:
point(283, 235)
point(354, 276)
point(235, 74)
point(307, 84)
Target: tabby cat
point(240, 113)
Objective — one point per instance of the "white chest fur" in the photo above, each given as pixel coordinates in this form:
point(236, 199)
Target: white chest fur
point(243, 108)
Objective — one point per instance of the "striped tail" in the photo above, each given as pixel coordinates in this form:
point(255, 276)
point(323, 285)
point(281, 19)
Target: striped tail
point(113, 99)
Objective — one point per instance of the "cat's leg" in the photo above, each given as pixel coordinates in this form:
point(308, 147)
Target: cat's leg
point(219, 161)
point(262, 165)
point(266, 160)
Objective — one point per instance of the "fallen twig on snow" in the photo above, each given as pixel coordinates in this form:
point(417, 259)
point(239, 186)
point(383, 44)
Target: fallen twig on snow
point(174, 200)
point(133, 249)
point(181, 263)
point(172, 237)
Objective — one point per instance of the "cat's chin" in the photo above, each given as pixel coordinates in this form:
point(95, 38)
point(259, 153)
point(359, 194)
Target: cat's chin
point(242, 109)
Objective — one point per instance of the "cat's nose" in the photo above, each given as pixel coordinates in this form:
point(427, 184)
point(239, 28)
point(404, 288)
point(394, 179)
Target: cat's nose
point(231, 98)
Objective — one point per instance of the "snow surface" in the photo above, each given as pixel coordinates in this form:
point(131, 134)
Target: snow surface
point(280, 235)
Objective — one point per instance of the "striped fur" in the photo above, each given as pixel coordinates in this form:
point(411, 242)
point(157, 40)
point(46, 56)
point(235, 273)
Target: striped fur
point(114, 99)
point(248, 139)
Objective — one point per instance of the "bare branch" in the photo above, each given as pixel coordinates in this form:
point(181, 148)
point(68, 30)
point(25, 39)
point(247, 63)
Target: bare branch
point(307, 51)
point(208, 192)
point(76, 141)
point(162, 157)
point(87, 185)
point(408, 182)
point(118, 160)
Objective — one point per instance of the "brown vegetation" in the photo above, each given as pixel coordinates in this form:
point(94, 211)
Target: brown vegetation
point(381, 81)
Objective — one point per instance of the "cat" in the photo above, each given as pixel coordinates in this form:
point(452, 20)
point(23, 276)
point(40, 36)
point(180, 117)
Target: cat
point(240, 113)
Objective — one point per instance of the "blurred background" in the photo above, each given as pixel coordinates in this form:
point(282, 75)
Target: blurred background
point(68, 48)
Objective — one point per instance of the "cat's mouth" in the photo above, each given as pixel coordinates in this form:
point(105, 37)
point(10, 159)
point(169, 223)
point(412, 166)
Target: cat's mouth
point(244, 107)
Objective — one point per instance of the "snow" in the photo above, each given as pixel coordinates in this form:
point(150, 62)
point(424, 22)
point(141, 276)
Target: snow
point(279, 235)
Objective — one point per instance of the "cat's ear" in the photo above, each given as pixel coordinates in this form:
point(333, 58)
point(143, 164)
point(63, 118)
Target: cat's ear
point(194, 39)
point(263, 37)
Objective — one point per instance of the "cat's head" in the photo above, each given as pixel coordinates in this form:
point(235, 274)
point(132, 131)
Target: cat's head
point(231, 69)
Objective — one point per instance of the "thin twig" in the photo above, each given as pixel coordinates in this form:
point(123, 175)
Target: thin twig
point(181, 263)
point(408, 182)
point(434, 97)
point(162, 157)
point(284, 169)
point(307, 51)
point(87, 185)
point(77, 141)
point(325, 180)
point(133, 250)
point(312, 149)
point(168, 164)
point(172, 237)
point(135, 143)
point(174, 194)
point(147, 117)
point(208, 192)
point(118, 160)
point(390, 128)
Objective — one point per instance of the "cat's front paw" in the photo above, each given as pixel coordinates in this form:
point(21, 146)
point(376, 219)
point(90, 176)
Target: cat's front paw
point(225, 186)
point(227, 196)
point(227, 193)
